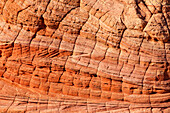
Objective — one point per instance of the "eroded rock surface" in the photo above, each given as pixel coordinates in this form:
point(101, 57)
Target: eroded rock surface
point(64, 55)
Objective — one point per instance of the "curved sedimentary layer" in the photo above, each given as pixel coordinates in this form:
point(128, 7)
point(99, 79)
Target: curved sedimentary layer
point(114, 50)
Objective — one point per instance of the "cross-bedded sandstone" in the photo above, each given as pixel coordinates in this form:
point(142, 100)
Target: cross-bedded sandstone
point(113, 50)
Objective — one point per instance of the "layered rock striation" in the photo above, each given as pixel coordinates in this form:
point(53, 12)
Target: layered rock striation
point(112, 50)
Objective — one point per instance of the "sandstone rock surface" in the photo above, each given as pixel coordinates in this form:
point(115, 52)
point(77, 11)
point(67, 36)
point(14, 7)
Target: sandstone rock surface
point(110, 56)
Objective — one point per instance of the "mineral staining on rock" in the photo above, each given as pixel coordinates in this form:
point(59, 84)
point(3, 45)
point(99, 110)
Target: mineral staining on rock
point(113, 50)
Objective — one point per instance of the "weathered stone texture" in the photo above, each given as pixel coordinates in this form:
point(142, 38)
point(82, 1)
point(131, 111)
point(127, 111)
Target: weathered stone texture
point(116, 51)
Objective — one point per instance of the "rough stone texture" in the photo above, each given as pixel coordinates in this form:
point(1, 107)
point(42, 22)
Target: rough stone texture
point(85, 56)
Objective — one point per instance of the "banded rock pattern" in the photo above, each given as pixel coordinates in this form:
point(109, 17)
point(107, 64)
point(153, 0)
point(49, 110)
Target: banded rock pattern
point(112, 50)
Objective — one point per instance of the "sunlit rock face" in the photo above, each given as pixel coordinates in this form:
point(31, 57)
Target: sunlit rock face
point(116, 52)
